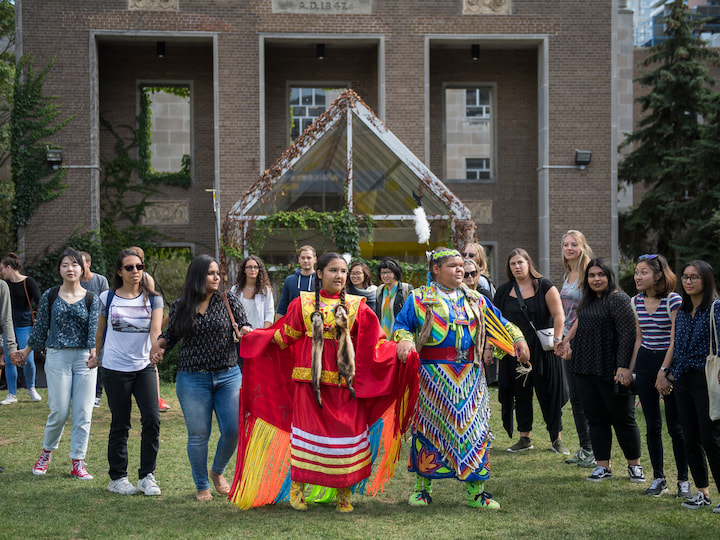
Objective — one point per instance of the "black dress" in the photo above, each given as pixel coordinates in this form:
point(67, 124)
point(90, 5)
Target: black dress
point(546, 378)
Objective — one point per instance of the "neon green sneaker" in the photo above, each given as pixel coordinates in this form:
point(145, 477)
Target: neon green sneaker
point(477, 497)
point(421, 495)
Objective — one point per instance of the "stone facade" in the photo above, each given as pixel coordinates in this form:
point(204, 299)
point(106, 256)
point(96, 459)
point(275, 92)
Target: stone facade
point(551, 63)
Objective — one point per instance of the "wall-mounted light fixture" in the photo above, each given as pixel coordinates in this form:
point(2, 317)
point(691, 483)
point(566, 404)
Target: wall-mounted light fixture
point(53, 156)
point(475, 51)
point(320, 51)
point(582, 158)
point(160, 49)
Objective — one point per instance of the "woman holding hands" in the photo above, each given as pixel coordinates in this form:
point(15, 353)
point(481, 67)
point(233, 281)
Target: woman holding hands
point(65, 326)
point(129, 322)
point(208, 377)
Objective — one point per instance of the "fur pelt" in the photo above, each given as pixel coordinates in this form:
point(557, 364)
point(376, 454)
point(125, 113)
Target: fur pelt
point(345, 351)
point(317, 353)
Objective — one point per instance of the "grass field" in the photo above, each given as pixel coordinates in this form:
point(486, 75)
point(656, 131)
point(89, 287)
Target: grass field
point(541, 496)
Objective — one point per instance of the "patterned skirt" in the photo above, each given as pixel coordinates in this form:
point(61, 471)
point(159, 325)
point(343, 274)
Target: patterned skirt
point(450, 433)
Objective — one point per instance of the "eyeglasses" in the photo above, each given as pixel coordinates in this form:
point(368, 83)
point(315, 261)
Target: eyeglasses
point(647, 257)
point(690, 279)
point(131, 267)
point(470, 274)
point(357, 274)
point(386, 273)
point(468, 255)
point(252, 267)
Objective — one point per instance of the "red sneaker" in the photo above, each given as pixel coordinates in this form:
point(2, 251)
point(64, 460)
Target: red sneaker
point(79, 471)
point(162, 405)
point(42, 463)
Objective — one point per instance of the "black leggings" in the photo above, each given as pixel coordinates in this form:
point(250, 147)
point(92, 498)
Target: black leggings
point(647, 367)
point(702, 435)
point(606, 411)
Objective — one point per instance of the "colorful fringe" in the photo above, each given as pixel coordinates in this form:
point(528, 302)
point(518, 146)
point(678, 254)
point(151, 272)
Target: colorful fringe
point(453, 414)
point(265, 467)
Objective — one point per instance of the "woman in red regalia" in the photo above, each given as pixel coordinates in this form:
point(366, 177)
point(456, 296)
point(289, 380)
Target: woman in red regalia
point(322, 394)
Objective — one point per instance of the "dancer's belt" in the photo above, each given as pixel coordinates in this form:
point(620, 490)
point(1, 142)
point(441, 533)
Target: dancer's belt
point(446, 355)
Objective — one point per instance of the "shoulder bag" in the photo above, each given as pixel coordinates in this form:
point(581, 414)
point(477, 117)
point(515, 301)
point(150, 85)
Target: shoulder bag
point(712, 367)
point(236, 329)
point(545, 335)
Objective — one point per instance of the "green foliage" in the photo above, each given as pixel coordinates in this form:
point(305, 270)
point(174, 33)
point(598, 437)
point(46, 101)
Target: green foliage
point(675, 148)
point(168, 266)
point(118, 179)
point(34, 118)
point(44, 271)
point(541, 497)
point(144, 140)
point(342, 228)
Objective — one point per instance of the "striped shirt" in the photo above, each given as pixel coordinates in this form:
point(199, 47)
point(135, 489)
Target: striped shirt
point(656, 328)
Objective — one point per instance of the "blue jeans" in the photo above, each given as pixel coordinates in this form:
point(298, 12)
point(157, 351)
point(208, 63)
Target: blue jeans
point(200, 393)
point(69, 379)
point(21, 335)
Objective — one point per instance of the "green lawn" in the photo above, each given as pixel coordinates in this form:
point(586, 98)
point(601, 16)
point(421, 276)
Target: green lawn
point(540, 495)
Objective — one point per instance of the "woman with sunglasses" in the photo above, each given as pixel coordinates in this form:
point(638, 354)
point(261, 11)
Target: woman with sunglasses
point(254, 289)
point(688, 381)
point(656, 305)
point(130, 321)
point(476, 253)
point(472, 275)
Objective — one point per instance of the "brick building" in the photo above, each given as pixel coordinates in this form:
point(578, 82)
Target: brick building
point(537, 79)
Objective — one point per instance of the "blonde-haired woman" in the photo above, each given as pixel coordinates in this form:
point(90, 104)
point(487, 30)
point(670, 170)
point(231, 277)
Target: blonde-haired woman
point(476, 252)
point(576, 254)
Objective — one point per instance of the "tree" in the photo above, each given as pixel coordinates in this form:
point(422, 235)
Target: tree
point(34, 118)
point(7, 76)
point(672, 146)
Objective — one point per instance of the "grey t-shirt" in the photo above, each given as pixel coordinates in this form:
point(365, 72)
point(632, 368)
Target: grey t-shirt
point(96, 284)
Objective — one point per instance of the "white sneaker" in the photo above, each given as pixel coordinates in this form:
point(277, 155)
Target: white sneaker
point(97, 402)
point(122, 486)
point(9, 400)
point(34, 395)
point(148, 485)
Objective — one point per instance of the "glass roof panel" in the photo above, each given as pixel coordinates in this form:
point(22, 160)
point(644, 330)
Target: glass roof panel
point(383, 184)
point(316, 181)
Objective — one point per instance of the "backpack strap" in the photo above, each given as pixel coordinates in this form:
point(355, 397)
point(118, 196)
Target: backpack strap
point(52, 296)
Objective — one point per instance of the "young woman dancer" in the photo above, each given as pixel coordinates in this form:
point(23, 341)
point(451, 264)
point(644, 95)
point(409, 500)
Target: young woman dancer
point(321, 386)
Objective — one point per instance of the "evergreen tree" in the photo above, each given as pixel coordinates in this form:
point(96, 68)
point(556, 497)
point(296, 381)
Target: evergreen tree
point(672, 145)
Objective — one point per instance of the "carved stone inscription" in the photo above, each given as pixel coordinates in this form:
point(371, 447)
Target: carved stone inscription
point(323, 7)
point(153, 5)
point(486, 7)
point(481, 211)
point(166, 213)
